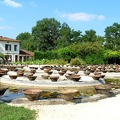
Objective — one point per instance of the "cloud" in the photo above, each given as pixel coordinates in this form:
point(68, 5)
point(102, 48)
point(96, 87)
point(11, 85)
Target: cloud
point(82, 16)
point(101, 17)
point(12, 3)
point(5, 27)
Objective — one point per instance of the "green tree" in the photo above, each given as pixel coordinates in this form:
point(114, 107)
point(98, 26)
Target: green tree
point(26, 41)
point(65, 36)
point(89, 36)
point(112, 37)
point(45, 34)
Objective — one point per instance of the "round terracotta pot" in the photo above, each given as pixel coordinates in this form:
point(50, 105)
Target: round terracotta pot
point(61, 73)
point(96, 77)
point(13, 77)
point(19, 73)
point(31, 78)
point(3, 89)
point(54, 78)
point(75, 77)
point(103, 89)
point(1, 74)
point(45, 76)
point(32, 94)
point(67, 94)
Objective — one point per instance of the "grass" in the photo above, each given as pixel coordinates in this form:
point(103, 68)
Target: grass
point(115, 83)
point(16, 113)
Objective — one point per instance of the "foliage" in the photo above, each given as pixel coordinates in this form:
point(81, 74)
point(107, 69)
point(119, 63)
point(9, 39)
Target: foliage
point(66, 54)
point(15, 113)
point(43, 62)
point(51, 40)
point(45, 34)
point(112, 56)
point(38, 55)
point(112, 37)
point(1, 56)
point(89, 36)
point(26, 41)
point(94, 59)
point(77, 61)
point(114, 82)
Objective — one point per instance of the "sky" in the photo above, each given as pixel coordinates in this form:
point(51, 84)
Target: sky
point(19, 16)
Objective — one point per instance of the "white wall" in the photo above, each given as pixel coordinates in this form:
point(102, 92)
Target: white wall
point(2, 47)
point(11, 52)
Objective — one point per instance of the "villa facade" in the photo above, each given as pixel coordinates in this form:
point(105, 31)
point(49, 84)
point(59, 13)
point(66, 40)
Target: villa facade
point(10, 48)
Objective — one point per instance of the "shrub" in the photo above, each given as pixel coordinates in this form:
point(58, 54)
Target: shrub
point(77, 61)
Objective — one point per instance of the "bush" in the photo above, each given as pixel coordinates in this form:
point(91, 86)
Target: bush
point(77, 61)
point(94, 59)
point(66, 54)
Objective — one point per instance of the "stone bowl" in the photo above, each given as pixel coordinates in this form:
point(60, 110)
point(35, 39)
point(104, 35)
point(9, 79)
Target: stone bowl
point(61, 73)
point(3, 89)
point(13, 77)
point(75, 77)
point(103, 89)
point(31, 78)
point(1, 74)
point(67, 94)
point(32, 94)
point(45, 76)
point(29, 74)
point(54, 78)
point(96, 77)
point(20, 73)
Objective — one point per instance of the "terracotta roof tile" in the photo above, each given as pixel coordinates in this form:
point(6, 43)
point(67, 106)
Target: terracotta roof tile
point(8, 39)
point(25, 52)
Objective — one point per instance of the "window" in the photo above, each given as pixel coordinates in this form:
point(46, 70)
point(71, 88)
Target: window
point(8, 47)
point(15, 47)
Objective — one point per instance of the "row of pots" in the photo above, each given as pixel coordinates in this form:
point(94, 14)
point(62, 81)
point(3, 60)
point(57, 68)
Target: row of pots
point(64, 93)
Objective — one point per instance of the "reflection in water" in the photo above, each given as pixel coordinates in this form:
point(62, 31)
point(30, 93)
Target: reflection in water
point(8, 95)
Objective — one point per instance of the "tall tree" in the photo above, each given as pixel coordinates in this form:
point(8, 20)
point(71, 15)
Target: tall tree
point(45, 34)
point(89, 36)
point(26, 41)
point(112, 37)
point(65, 36)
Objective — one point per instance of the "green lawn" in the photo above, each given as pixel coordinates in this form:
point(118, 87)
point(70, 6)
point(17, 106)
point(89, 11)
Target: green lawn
point(16, 113)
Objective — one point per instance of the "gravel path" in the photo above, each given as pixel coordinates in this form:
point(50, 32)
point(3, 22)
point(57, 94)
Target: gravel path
point(106, 109)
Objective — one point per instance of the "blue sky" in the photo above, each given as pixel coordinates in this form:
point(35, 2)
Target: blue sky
point(18, 16)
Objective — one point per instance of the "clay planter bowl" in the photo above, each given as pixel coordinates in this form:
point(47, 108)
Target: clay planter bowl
point(86, 72)
point(45, 76)
point(13, 77)
point(67, 94)
point(103, 89)
point(97, 73)
point(33, 71)
point(61, 73)
point(3, 89)
point(102, 76)
point(67, 76)
point(75, 77)
point(50, 72)
point(46, 70)
point(21, 70)
point(32, 94)
point(4, 71)
point(96, 77)
point(31, 78)
point(54, 78)
point(29, 74)
point(1, 74)
point(20, 73)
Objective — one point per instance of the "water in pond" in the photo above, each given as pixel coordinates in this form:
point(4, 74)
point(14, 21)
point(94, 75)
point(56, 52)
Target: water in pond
point(8, 96)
